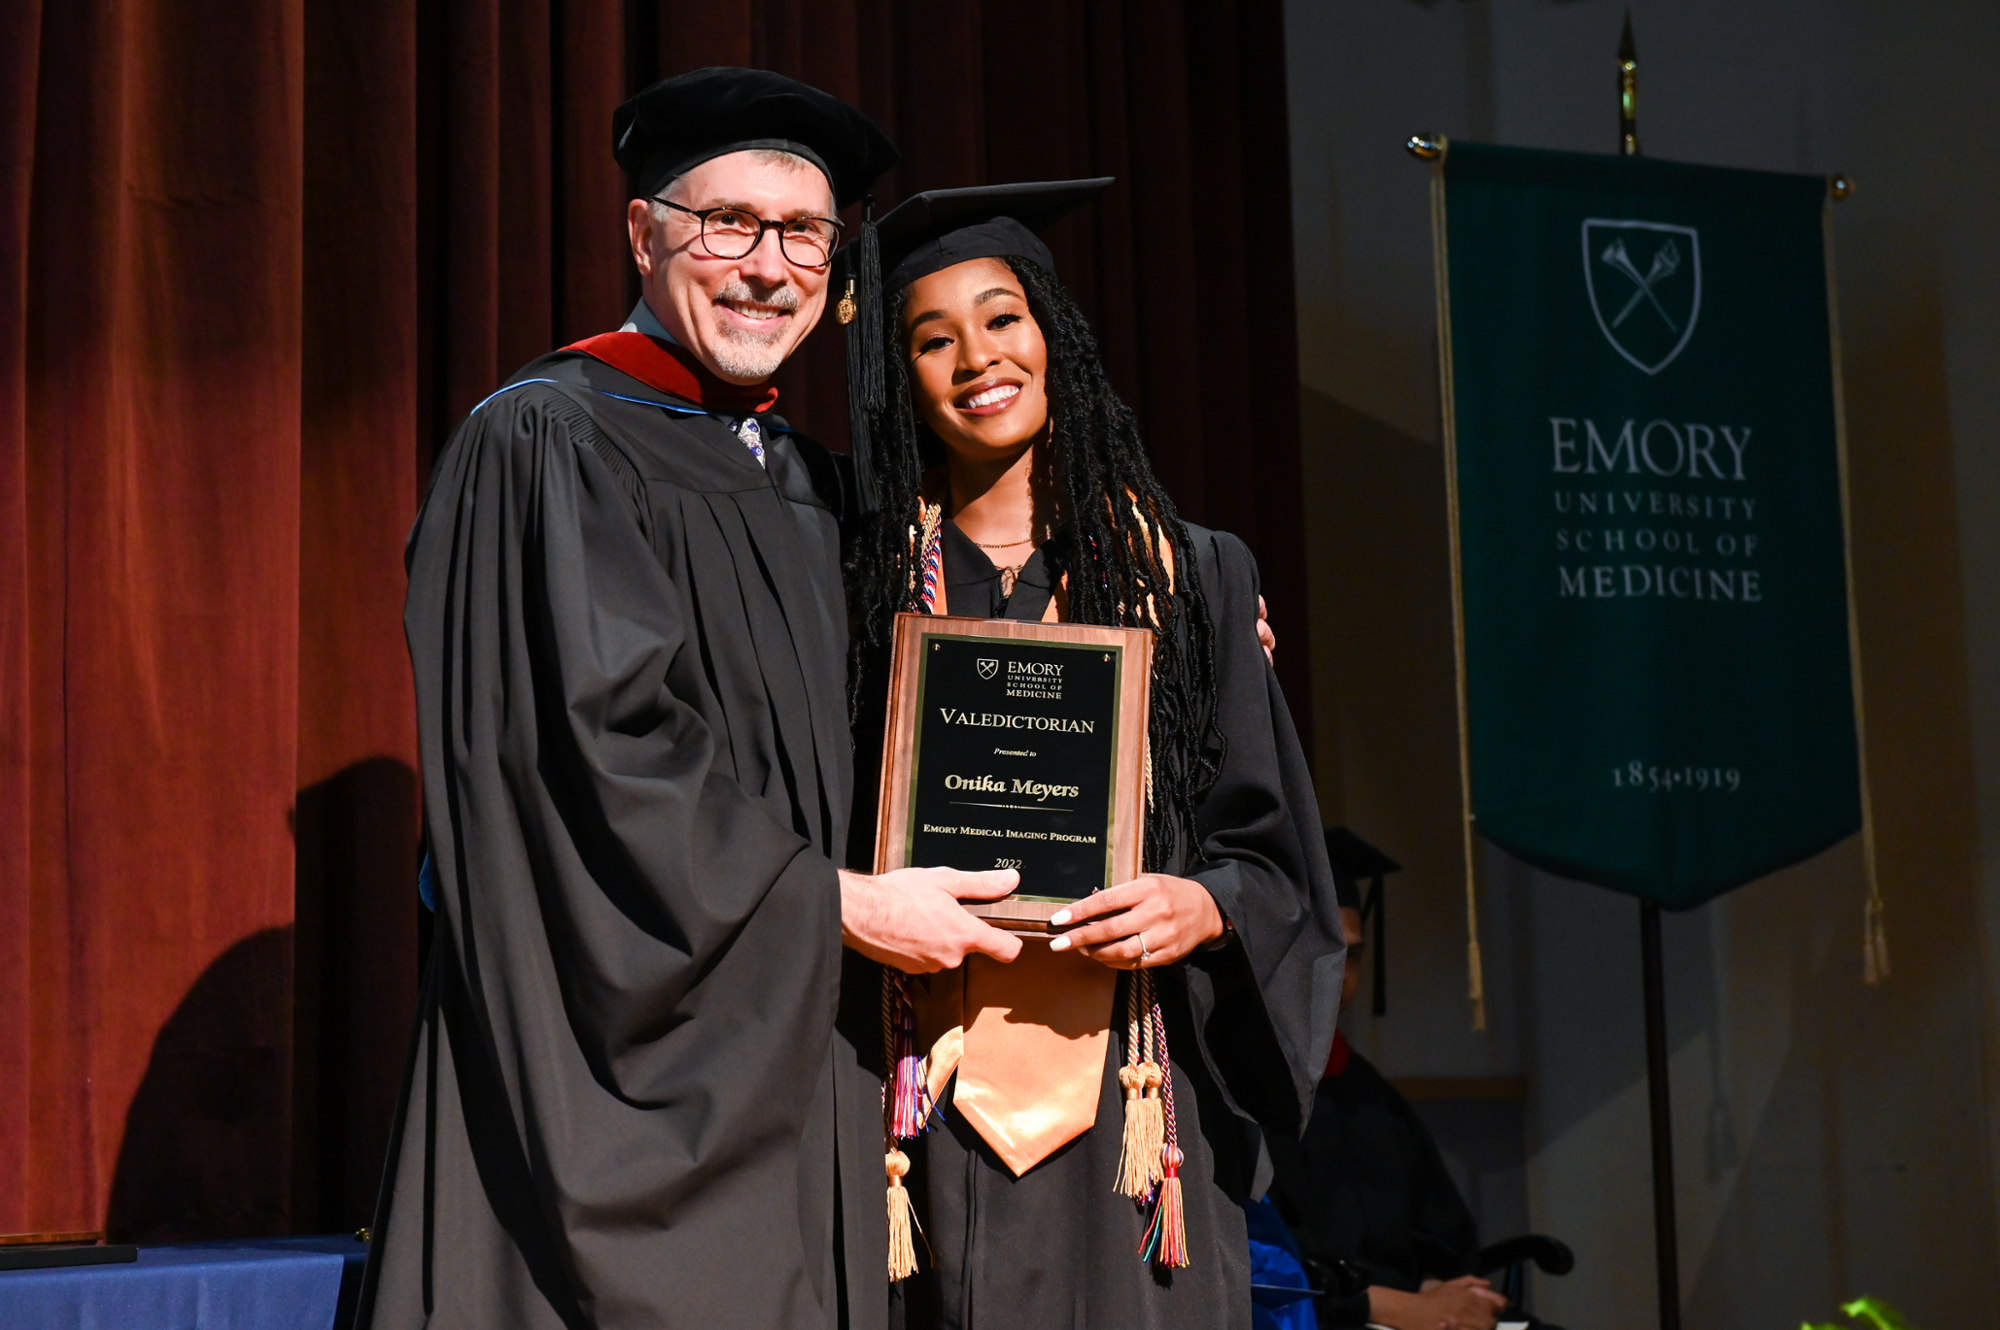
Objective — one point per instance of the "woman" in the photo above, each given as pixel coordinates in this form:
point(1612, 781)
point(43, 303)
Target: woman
point(1013, 484)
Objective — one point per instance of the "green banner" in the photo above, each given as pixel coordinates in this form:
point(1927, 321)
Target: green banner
point(1648, 500)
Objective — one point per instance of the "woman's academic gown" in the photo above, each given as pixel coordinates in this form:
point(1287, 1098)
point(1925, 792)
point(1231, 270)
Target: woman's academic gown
point(1249, 1024)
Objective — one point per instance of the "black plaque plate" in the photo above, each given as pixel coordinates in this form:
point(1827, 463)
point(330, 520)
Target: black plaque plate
point(1017, 746)
point(1015, 763)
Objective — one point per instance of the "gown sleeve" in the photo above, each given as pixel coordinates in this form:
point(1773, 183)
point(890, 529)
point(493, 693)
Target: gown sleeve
point(1445, 1234)
point(1265, 1001)
point(648, 952)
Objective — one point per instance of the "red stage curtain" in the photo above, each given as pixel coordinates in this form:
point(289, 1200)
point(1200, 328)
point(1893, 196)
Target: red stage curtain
point(259, 257)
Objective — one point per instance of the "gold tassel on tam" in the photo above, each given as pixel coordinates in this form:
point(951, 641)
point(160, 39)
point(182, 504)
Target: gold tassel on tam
point(902, 1219)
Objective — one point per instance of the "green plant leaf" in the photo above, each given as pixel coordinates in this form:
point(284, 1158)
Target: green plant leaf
point(1878, 1314)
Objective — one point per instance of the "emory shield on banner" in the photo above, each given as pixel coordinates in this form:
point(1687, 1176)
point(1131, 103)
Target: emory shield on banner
point(1640, 401)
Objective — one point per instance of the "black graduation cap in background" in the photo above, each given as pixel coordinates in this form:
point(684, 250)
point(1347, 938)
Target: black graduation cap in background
point(1355, 860)
point(928, 233)
point(681, 122)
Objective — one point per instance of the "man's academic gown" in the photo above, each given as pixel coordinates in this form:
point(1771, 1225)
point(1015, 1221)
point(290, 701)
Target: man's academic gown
point(1366, 1186)
point(628, 1103)
point(1248, 1025)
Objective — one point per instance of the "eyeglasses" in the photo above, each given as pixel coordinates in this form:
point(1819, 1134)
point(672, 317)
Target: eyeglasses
point(732, 233)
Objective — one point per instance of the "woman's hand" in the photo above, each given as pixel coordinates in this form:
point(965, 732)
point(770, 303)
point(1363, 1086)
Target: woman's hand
point(1151, 920)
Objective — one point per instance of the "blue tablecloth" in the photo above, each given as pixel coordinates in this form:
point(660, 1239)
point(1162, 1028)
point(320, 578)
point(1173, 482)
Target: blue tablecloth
point(265, 1284)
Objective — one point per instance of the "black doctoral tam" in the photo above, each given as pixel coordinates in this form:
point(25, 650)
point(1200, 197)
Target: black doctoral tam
point(681, 122)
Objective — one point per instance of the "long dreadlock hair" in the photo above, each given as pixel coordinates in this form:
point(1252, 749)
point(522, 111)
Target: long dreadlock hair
point(1114, 551)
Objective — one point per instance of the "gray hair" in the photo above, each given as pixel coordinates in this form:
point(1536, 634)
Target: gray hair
point(761, 156)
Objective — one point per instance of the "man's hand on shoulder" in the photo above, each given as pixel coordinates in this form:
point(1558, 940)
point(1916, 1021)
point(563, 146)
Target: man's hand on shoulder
point(911, 918)
point(1468, 1303)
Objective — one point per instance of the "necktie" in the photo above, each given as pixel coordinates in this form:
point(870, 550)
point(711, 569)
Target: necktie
point(753, 437)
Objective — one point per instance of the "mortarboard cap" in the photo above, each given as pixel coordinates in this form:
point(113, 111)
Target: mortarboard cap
point(1353, 860)
point(681, 122)
point(927, 233)
point(931, 231)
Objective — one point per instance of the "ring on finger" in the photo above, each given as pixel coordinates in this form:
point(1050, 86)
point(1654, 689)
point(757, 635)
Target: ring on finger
point(1144, 955)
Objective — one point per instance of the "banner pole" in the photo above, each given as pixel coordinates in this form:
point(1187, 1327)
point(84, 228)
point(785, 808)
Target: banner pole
point(1666, 1247)
point(1652, 969)
point(1433, 150)
point(1874, 936)
point(1660, 1114)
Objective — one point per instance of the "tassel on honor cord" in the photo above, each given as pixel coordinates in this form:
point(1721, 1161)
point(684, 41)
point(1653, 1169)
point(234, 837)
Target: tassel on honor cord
point(1141, 1077)
point(1149, 1158)
point(906, 1108)
point(1149, 1164)
point(902, 1219)
point(1165, 1243)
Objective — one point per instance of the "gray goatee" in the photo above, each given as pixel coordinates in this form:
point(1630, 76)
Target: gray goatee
point(747, 355)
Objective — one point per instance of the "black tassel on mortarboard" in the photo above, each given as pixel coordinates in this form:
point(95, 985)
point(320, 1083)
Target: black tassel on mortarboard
point(861, 311)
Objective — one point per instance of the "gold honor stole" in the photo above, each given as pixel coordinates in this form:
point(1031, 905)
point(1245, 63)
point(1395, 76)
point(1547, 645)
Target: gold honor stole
point(1029, 1041)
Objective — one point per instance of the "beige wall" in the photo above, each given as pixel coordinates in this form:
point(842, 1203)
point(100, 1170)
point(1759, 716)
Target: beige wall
point(1832, 1139)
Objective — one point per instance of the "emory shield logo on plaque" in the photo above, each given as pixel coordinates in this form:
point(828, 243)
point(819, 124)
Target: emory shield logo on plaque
point(988, 667)
point(1644, 280)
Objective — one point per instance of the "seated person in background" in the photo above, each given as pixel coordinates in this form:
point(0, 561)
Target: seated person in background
point(1379, 1221)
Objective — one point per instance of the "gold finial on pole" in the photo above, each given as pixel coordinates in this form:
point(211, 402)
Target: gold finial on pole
point(1425, 147)
point(1628, 92)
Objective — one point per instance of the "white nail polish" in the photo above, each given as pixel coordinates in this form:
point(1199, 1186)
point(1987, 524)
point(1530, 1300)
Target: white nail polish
point(1059, 918)
point(1060, 944)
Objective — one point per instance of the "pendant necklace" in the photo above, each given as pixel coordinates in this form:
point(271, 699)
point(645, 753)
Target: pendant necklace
point(1008, 575)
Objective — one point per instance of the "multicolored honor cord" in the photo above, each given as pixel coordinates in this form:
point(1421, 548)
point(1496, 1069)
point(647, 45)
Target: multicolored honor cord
point(906, 1100)
point(1149, 1162)
point(906, 1107)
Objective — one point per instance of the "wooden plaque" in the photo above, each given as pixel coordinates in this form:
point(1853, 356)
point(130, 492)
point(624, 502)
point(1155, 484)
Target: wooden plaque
point(1017, 745)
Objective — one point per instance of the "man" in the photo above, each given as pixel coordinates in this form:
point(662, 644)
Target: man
point(629, 1100)
point(1376, 1216)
